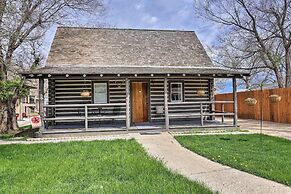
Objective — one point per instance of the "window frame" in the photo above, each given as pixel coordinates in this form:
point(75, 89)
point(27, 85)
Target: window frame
point(93, 91)
point(182, 91)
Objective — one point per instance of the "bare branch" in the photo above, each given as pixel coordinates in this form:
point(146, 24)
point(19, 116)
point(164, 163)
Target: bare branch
point(257, 35)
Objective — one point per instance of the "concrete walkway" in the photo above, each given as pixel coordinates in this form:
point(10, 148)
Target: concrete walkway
point(216, 176)
point(269, 128)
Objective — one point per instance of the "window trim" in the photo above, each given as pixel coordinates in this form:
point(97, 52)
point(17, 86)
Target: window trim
point(182, 91)
point(93, 89)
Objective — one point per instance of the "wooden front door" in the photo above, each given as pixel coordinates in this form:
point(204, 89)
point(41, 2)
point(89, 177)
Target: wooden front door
point(139, 98)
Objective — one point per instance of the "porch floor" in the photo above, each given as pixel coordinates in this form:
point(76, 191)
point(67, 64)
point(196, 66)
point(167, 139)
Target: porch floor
point(120, 127)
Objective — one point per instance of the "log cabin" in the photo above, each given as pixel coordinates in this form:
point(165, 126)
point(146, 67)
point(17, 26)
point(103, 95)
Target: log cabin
point(107, 79)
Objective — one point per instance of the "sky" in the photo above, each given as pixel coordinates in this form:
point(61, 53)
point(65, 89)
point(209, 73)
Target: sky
point(152, 14)
point(159, 14)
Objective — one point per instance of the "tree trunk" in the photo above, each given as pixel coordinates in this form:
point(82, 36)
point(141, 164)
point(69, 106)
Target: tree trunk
point(279, 77)
point(3, 71)
point(288, 70)
point(3, 118)
point(8, 121)
point(247, 82)
point(12, 122)
point(3, 4)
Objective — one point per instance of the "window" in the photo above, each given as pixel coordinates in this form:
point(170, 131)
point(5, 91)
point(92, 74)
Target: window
point(100, 93)
point(177, 92)
point(31, 99)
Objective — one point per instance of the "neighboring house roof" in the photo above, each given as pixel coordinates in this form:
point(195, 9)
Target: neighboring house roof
point(126, 51)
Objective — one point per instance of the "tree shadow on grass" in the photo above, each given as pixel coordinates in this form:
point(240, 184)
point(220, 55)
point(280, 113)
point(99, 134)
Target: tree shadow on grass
point(243, 140)
point(227, 139)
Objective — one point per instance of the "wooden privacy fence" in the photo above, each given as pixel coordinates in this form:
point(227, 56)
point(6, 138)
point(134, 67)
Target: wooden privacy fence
point(272, 111)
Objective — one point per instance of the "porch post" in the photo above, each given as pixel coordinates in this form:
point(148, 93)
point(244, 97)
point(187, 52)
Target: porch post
point(234, 86)
point(86, 117)
point(167, 121)
point(41, 103)
point(127, 88)
point(201, 114)
point(211, 98)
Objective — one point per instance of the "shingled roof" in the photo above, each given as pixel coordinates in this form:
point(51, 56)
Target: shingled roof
point(107, 50)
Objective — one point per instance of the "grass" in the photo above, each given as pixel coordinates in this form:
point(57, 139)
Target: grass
point(243, 130)
point(269, 158)
point(119, 166)
point(11, 137)
point(199, 130)
point(6, 136)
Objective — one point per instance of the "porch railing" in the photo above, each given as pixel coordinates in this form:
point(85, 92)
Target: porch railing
point(91, 112)
point(204, 110)
point(116, 111)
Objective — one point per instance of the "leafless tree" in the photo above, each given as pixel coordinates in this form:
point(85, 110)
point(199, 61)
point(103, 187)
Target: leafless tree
point(23, 22)
point(257, 35)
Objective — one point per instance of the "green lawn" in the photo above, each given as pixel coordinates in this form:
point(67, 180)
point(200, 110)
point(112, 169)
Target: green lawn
point(120, 166)
point(5, 136)
point(269, 158)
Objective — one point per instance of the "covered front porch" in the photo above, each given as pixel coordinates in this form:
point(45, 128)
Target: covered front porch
point(101, 118)
point(134, 103)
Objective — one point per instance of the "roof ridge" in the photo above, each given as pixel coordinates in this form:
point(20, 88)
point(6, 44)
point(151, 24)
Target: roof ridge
point(134, 29)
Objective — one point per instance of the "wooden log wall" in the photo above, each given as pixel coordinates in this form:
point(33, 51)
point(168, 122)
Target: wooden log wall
point(191, 86)
point(277, 112)
point(66, 91)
